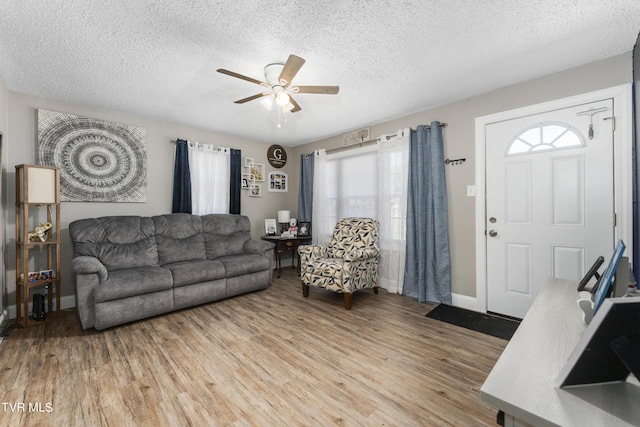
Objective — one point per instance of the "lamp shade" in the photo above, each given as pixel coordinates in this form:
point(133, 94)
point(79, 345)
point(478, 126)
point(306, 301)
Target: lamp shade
point(284, 216)
point(37, 184)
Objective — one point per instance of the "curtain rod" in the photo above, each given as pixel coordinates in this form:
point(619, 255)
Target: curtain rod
point(200, 144)
point(373, 141)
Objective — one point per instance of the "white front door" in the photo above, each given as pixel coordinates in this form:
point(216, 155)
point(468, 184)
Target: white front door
point(549, 201)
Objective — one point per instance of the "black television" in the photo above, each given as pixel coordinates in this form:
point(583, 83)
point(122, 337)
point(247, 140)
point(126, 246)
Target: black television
point(593, 271)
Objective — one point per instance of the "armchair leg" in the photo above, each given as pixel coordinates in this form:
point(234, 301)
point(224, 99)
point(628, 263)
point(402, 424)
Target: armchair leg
point(375, 290)
point(347, 301)
point(305, 290)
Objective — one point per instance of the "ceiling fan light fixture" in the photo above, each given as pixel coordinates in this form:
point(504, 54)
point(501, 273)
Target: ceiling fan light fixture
point(278, 79)
point(282, 98)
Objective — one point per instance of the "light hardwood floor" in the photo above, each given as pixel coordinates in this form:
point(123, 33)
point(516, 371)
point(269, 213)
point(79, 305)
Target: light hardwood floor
point(268, 358)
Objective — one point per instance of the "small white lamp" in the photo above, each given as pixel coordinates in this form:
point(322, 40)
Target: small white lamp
point(283, 219)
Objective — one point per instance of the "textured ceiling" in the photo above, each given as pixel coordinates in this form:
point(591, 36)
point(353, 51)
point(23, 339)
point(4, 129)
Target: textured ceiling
point(390, 58)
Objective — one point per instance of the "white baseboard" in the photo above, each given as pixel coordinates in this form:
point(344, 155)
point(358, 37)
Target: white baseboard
point(65, 302)
point(464, 301)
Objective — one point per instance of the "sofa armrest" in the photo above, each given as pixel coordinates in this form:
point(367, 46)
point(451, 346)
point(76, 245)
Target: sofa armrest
point(89, 265)
point(89, 273)
point(258, 247)
point(361, 254)
point(309, 252)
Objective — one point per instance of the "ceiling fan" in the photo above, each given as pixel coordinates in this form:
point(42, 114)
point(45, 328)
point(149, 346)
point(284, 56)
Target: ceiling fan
point(278, 82)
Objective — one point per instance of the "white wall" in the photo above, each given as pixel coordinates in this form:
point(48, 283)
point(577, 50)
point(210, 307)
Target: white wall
point(21, 147)
point(459, 140)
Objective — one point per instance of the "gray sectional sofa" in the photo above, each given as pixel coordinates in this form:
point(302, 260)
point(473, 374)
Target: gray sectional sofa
point(128, 268)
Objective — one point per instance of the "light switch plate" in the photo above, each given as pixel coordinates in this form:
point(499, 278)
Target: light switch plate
point(471, 190)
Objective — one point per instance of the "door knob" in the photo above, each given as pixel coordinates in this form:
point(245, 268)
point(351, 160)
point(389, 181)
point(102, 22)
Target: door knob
point(493, 233)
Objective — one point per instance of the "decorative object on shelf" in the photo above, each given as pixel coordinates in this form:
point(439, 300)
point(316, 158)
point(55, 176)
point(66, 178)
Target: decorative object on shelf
point(293, 227)
point(99, 161)
point(39, 232)
point(256, 190)
point(305, 229)
point(454, 162)
point(270, 226)
point(37, 196)
point(283, 219)
point(36, 276)
point(278, 182)
point(277, 156)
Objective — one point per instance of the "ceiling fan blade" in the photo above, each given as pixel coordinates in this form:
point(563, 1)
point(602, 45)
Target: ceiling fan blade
point(296, 107)
point(291, 68)
point(327, 90)
point(250, 98)
point(240, 76)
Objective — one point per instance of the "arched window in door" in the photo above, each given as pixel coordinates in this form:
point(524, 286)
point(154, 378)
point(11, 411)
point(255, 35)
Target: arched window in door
point(545, 136)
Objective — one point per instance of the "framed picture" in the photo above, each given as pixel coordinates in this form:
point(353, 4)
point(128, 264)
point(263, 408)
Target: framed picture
point(245, 180)
point(304, 229)
point(278, 182)
point(257, 172)
point(256, 190)
point(46, 274)
point(270, 226)
point(248, 162)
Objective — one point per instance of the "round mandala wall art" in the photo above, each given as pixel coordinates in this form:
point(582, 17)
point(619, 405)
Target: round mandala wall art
point(99, 161)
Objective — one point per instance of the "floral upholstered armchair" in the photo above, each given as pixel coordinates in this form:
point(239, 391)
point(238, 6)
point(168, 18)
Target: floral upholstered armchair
point(345, 265)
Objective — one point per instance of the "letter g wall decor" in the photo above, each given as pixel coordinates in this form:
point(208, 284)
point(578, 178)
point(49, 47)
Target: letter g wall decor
point(99, 161)
point(276, 156)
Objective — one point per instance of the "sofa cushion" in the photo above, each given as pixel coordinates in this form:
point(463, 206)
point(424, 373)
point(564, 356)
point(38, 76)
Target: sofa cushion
point(175, 250)
point(119, 242)
point(235, 265)
point(179, 238)
point(190, 272)
point(225, 234)
point(143, 253)
point(133, 281)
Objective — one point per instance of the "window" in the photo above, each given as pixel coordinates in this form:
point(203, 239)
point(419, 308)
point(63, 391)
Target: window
point(352, 185)
point(544, 137)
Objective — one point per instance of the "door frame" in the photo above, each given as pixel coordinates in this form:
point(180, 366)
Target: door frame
point(622, 169)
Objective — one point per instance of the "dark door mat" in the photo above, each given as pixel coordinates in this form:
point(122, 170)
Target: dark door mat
point(480, 322)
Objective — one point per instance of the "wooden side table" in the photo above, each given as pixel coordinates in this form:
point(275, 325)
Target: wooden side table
point(286, 244)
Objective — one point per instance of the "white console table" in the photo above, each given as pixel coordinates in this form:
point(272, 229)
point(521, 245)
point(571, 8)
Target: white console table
point(521, 383)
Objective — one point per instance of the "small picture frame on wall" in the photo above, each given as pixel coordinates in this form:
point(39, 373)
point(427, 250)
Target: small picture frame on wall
point(248, 162)
point(255, 190)
point(257, 172)
point(304, 229)
point(245, 181)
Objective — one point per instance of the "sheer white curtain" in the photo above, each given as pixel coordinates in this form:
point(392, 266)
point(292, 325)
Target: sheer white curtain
point(209, 167)
point(367, 182)
point(322, 228)
point(393, 160)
